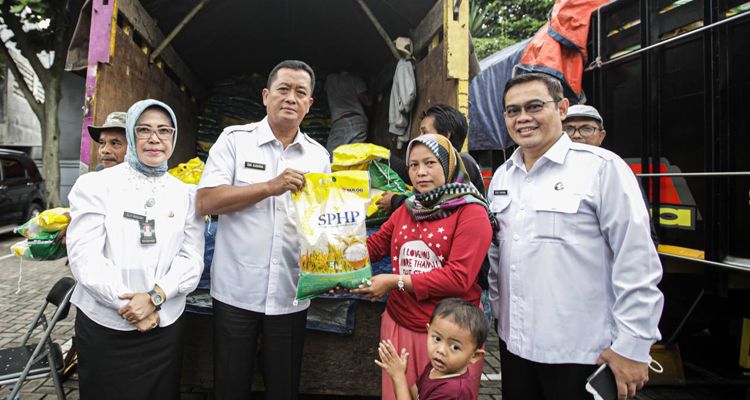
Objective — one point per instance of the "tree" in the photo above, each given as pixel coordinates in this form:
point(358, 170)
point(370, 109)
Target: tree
point(520, 19)
point(496, 24)
point(40, 26)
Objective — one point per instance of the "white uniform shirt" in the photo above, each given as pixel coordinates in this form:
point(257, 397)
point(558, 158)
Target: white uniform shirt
point(256, 258)
point(574, 270)
point(105, 251)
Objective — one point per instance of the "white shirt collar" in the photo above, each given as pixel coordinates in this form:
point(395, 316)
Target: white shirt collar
point(265, 134)
point(556, 153)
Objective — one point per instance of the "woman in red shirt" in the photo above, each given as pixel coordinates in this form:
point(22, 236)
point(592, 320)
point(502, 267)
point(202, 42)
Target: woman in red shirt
point(437, 241)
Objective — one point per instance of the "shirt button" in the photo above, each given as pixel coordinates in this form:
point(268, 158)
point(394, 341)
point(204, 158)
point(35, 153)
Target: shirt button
point(522, 207)
point(512, 267)
point(275, 261)
point(528, 180)
point(515, 299)
point(516, 237)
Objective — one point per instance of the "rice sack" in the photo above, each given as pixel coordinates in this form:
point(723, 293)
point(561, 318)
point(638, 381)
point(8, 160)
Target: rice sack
point(330, 213)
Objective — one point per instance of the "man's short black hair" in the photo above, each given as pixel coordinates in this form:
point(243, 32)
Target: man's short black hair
point(465, 315)
point(554, 87)
point(448, 120)
point(295, 65)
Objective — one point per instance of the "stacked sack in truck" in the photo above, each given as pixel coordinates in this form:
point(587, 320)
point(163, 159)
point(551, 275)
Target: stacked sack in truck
point(235, 100)
point(238, 100)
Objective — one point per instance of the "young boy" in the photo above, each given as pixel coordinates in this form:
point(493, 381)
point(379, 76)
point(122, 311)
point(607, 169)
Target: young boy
point(455, 336)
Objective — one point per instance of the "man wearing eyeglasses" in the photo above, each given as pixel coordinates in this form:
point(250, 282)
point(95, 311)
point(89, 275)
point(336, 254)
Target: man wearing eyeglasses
point(583, 124)
point(573, 270)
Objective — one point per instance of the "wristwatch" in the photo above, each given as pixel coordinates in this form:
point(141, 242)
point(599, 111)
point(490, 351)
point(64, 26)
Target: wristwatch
point(401, 283)
point(156, 299)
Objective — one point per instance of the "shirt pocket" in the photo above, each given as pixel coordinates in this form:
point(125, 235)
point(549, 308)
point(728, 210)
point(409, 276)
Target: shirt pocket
point(556, 218)
point(500, 207)
point(246, 176)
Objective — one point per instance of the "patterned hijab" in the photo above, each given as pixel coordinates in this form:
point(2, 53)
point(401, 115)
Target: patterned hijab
point(134, 113)
point(456, 192)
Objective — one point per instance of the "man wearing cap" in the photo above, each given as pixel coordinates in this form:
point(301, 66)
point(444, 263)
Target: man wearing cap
point(583, 124)
point(111, 139)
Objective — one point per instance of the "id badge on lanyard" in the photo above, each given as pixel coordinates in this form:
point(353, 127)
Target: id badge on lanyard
point(148, 231)
point(146, 227)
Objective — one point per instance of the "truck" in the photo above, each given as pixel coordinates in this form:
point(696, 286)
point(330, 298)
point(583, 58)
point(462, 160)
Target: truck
point(669, 78)
point(131, 50)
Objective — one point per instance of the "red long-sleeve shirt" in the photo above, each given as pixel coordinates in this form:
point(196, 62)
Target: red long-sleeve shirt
point(442, 257)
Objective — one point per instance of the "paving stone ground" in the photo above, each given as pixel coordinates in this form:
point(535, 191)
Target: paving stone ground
point(17, 308)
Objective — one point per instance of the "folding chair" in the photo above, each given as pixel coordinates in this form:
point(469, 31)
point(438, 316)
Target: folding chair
point(26, 362)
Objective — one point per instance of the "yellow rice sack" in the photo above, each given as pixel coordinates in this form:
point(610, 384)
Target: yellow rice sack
point(189, 172)
point(356, 156)
point(52, 220)
point(331, 212)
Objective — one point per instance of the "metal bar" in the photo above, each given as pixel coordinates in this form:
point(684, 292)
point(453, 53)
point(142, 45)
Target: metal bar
point(670, 40)
point(684, 319)
point(380, 29)
point(176, 30)
point(695, 174)
point(707, 262)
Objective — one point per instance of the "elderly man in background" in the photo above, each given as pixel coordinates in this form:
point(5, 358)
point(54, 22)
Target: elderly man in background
point(111, 138)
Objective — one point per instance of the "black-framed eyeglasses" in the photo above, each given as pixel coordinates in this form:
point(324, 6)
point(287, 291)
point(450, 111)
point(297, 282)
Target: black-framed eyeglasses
point(532, 107)
point(585, 130)
point(163, 132)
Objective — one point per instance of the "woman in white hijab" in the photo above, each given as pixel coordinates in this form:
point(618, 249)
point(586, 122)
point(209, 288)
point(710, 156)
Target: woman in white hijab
point(135, 246)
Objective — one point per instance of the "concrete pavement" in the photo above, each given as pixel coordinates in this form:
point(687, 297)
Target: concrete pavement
point(17, 308)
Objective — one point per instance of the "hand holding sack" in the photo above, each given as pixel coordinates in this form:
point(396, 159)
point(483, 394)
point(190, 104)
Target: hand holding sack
point(331, 213)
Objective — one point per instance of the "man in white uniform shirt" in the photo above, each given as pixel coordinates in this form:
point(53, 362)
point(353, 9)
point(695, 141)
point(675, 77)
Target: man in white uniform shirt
point(574, 271)
point(249, 175)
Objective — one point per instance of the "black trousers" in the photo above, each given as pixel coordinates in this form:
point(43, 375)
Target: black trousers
point(528, 380)
point(236, 333)
point(126, 365)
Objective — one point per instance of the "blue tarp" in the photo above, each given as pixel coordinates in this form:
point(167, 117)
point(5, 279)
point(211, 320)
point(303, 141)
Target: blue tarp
point(487, 130)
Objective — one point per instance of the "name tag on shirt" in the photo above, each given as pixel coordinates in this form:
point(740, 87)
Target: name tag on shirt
point(501, 192)
point(253, 165)
point(134, 216)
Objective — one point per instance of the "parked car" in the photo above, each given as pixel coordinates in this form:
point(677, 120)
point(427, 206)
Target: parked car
point(21, 189)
